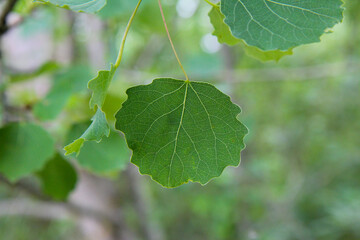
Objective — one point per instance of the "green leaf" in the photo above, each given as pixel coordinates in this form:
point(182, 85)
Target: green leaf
point(221, 30)
point(89, 6)
point(58, 178)
point(280, 24)
point(24, 149)
point(24, 7)
point(223, 34)
point(117, 8)
point(273, 55)
point(181, 131)
point(110, 155)
point(99, 86)
point(98, 128)
point(66, 84)
point(48, 67)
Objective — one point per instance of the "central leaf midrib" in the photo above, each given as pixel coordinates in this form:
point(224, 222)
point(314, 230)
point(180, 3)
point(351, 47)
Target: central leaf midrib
point(178, 130)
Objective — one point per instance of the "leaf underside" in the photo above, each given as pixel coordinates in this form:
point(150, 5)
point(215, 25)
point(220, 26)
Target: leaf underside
point(181, 131)
point(88, 6)
point(280, 24)
point(224, 35)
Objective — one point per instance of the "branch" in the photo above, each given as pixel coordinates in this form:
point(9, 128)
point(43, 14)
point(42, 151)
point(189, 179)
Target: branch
point(77, 209)
point(9, 6)
point(42, 210)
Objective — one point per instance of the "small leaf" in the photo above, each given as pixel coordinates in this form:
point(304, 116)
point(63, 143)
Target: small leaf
point(223, 33)
point(275, 24)
point(58, 178)
point(110, 155)
point(24, 149)
point(89, 6)
point(98, 128)
point(99, 86)
point(181, 131)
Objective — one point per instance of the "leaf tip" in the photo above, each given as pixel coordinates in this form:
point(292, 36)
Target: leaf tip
point(74, 147)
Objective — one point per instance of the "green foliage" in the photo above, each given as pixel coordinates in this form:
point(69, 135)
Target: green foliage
point(99, 87)
point(69, 82)
point(111, 154)
point(224, 35)
point(89, 6)
point(221, 30)
point(24, 7)
point(58, 178)
point(299, 175)
point(99, 126)
point(272, 25)
point(48, 67)
point(181, 131)
point(24, 148)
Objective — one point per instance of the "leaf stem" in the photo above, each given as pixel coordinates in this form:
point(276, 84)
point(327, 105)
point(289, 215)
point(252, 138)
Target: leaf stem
point(171, 42)
point(211, 3)
point(119, 58)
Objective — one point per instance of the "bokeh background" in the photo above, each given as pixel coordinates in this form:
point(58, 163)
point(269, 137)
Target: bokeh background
point(300, 174)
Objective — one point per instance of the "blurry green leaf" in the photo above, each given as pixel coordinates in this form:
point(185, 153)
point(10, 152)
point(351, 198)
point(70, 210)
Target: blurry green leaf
point(116, 8)
point(181, 131)
point(24, 148)
point(58, 178)
point(24, 7)
point(48, 67)
point(89, 6)
point(111, 154)
point(98, 128)
point(71, 81)
point(223, 33)
point(272, 25)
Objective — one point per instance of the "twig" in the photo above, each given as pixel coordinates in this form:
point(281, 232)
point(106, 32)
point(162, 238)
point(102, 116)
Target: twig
point(9, 6)
point(74, 208)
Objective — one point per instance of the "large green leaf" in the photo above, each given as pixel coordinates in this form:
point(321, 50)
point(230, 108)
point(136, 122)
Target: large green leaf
point(181, 131)
point(58, 178)
point(223, 34)
point(280, 24)
point(24, 149)
point(89, 6)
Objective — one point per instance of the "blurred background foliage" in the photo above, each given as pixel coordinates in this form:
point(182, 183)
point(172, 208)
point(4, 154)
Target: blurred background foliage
point(300, 173)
